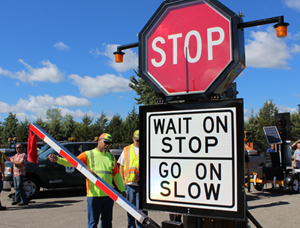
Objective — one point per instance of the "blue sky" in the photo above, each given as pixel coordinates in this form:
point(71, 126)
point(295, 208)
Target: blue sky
point(59, 54)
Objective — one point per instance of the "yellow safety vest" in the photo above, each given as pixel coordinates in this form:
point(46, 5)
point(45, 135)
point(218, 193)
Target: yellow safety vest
point(131, 166)
point(102, 165)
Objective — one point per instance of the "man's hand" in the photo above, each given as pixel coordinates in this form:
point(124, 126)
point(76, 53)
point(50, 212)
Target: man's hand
point(52, 158)
point(124, 194)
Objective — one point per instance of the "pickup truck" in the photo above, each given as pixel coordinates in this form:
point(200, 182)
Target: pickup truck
point(46, 174)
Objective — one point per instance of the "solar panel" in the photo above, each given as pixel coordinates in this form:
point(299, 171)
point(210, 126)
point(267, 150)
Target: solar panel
point(272, 135)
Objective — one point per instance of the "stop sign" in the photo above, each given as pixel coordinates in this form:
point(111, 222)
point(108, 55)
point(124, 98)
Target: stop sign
point(191, 48)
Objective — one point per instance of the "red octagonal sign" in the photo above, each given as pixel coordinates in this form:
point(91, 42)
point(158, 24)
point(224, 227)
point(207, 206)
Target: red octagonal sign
point(186, 46)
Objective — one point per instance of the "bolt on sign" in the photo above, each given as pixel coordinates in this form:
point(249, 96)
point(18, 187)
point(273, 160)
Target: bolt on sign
point(193, 159)
point(191, 48)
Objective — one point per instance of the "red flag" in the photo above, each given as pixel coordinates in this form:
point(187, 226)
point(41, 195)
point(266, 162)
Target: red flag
point(32, 147)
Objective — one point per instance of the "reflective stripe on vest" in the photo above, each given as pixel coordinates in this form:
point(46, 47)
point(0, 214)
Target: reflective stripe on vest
point(131, 168)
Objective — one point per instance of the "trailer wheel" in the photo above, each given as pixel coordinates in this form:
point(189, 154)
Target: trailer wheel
point(259, 187)
point(294, 188)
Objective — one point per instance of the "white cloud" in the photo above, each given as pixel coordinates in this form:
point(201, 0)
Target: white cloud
point(286, 109)
point(61, 46)
point(296, 48)
point(130, 59)
point(95, 52)
point(265, 50)
point(294, 4)
point(96, 87)
point(49, 72)
point(296, 95)
point(40, 104)
point(246, 114)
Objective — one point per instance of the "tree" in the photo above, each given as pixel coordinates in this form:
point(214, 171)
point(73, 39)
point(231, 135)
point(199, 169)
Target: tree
point(100, 125)
point(83, 130)
point(22, 130)
point(115, 128)
point(10, 125)
point(1, 132)
point(68, 126)
point(266, 117)
point(41, 123)
point(55, 123)
point(130, 125)
point(146, 95)
point(295, 126)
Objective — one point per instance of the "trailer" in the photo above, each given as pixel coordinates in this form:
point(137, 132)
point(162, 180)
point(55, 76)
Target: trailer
point(277, 169)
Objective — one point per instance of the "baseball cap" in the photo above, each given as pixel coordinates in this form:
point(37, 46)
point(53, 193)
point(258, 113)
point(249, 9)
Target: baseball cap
point(106, 137)
point(136, 135)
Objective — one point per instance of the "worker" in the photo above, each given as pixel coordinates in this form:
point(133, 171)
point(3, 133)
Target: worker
point(129, 168)
point(271, 148)
point(296, 147)
point(19, 169)
point(102, 163)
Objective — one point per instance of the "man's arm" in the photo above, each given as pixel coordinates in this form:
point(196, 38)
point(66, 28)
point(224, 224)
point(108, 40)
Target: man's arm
point(121, 168)
point(294, 144)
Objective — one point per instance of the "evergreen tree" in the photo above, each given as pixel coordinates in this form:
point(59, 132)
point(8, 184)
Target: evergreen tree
point(83, 130)
point(1, 133)
point(295, 126)
point(41, 123)
point(146, 95)
point(100, 125)
point(22, 130)
point(131, 124)
point(55, 123)
point(266, 118)
point(10, 125)
point(68, 126)
point(115, 128)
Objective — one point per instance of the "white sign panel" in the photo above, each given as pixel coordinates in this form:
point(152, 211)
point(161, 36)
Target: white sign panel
point(191, 158)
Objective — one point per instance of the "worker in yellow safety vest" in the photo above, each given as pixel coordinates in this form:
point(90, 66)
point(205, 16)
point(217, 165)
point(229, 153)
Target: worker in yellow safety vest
point(102, 163)
point(129, 169)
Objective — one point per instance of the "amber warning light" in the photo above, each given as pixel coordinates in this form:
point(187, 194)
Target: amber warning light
point(119, 56)
point(281, 29)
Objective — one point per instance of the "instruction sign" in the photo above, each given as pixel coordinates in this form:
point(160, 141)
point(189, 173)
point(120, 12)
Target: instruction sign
point(191, 157)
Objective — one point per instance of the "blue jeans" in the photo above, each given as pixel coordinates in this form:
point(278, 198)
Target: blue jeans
point(133, 196)
point(20, 195)
point(95, 207)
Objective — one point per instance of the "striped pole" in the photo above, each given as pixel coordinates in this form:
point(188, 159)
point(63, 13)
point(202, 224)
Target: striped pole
point(81, 167)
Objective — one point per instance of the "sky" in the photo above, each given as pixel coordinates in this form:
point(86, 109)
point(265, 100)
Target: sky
point(59, 54)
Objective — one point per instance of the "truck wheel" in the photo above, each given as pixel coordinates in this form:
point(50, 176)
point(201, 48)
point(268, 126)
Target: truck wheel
point(294, 188)
point(259, 187)
point(31, 187)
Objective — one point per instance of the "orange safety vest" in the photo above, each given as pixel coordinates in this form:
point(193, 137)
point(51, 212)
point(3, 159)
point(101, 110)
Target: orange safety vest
point(131, 166)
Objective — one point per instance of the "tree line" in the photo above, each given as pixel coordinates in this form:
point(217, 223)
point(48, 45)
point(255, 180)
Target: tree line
point(263, 118)
point(64, 127)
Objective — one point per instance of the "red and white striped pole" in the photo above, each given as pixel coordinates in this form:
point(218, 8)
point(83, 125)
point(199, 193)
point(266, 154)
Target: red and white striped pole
point(81, 167)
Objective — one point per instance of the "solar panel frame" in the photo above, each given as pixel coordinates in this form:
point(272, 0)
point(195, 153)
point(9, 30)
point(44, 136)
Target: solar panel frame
point(272, 135)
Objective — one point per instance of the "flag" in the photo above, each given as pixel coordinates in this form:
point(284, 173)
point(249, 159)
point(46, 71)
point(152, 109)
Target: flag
point(32, 147)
